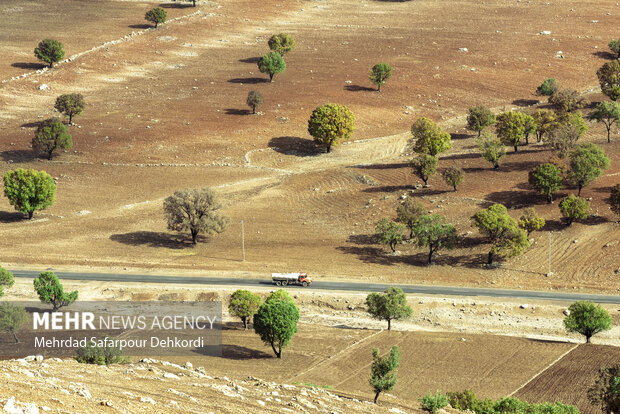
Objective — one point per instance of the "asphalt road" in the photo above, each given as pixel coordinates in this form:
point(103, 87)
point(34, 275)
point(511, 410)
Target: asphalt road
point(320, 285)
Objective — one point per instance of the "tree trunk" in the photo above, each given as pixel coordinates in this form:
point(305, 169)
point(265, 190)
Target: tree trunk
point(454, 187)
point(490, 261)
point(389, 324)
point(379, 88)
point(608, 132)
point(253, 109)
point(527, 139)
point(51, 65)
point(479, 132)
point(271, 77)
point(245, 323)
point(30, 213)
point(570, 221)
point(410, 232)
point(430, 255)
point(393, 247)
point(516, 148)
point(425, 179)
point(549, 198)
point(15, 337)
point(329, 147)
point(377, 396)
point(156, 25)
point(70, 118)
point(496, 165)
point(194, 236)
point(49, 154)
point(579, 192)
point(588, 338)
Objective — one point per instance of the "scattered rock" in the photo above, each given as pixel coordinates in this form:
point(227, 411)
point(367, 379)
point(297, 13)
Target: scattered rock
point(148, 400)
point(566, 312)
point(524, 306)
point(463, 49)
point(545, 33)
point(44, 87)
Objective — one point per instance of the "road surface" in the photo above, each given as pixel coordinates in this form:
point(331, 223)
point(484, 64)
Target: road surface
point(320, 285)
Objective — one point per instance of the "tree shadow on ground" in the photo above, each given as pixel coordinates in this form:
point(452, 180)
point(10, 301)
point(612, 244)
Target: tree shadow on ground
point(462, 136)
point(300, 147)
point(176, 5)
point(387, 189)
point(237, 352)
point(554, 225)
point(605, 55)
point(455, 157)
point(358, 88)
point(233, 111)
point(249, 81)
point(34, 124)
point(525, 102)
point(19, 155)
point(509, 166)
point(11, 216)
point(382, 166)
point(141, 26)
point(515, 199)
point(250, 60)
point(29, 65)
point(155, 239)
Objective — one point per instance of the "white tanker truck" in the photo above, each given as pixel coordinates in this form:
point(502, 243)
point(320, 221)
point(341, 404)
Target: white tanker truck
point(283, 279)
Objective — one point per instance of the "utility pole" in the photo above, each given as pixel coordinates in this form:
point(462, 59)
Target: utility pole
point(242, 241)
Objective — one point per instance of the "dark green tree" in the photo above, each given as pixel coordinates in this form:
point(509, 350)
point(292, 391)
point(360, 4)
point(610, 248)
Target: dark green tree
point(424, 166)
point(429, 138)
point(12, 317)
point(453, 176)
point(156, 15)
point(383, 371)
point(606, 390)
point(282, 43)
point(194, 210)
point(573, 208)
point(29, 190)
point(510, 127)
point(491, 148)
point(548, 87)
point(409, 212)
point(547, 179)
point(587, 318)
point(503, 231)
point(254, 99)
point(271, 64)
point(389, 232)
point(389, 305)
point(276, 323)
point(614, 199)
point(529, 128)
point(280, 294)
point(587, 163)
point(380, 73)
point(243, 304)
point(433, 231)
point(70, 104)
point(567, 100)
point(331, 124)
point(50, 290)
point(6, 279)
point(51, 135)
point(530, 221)
point(102, 353)
point(609, 78)
point(49, 51)
point(608, 113)
point(479, 117)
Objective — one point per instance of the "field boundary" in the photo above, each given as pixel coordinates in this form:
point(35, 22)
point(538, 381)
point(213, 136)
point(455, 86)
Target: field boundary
point(543, 370)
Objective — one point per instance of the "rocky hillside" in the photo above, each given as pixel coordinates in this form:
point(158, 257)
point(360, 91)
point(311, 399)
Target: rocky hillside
point(34, 385)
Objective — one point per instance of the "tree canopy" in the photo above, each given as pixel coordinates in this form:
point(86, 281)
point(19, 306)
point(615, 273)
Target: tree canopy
point(491, 149)
point(614, 199)
point(70, 105)
point(548, 87)
point(479, 117)
point(194, 210)
point(606, 390)
point(156, 15)
point(382, 371)
point(276, 323)
point(587, 319)
point(424, 166)
point(409, 212)
point(6, 279)
point(453, 176)
point(511, 127)
point(331, 124)
point(271, 64)
point(282, 43)
point(12, 317)
point(429, 138)
point(530, 221)
point(587, 163)
point(243, 304)
point(573, 208)
point(379, 74)
point(29, 190)
point(389, 305)
point(50, 290)
point(567, 100)
point(389, 232)
point(564, 136)
point(254, 99)
point(51, 135)
point(609, 78)
point(547, 179)
point(49, 51)
point(608, 113)
point(545, 121)
point(433, 231)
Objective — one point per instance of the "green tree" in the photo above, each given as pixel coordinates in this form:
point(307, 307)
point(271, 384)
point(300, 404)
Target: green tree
point(6, 279)
point(479, 117)
point(567, 100)
point(529, 127)
point(271, 64)
point(254, 99)
point(330, 124)
point(545, 121)
point(379, 74)
point(243, 304)
point(12, 317)
point(51, 135)
point(282, 43)
point(548, 87)
point(530, 221)
point(506, 237)
point(573, 208)
point(429, 138)
point(102, 353)
point(614, 45)
point(194, 210)
point(383, 371)
point(606, 390)
point(547, 179)
point(389, 232)
point(453, 176)
point(563, 138)
point(49, 51)
point(609, 78)
point(29, 190)
point(424, 166)
point(614, 199)
point(433, 403)
point(280, 294)
point(156, 15)
point(587, 163)
point(50, 290)
point(389, 305)
point(491, 149)
point(409, 212)
point(276, 323)
point(587, 319)
point(70, 104)
point(434, 232)
point(511, 127)
point(608, 113)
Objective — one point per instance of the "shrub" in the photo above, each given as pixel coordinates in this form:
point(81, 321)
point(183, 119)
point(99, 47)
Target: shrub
point(432, 403)
point(453, 176)
point(463, 400)
point(573, 208)
point(548, 87)
point(105, 354)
